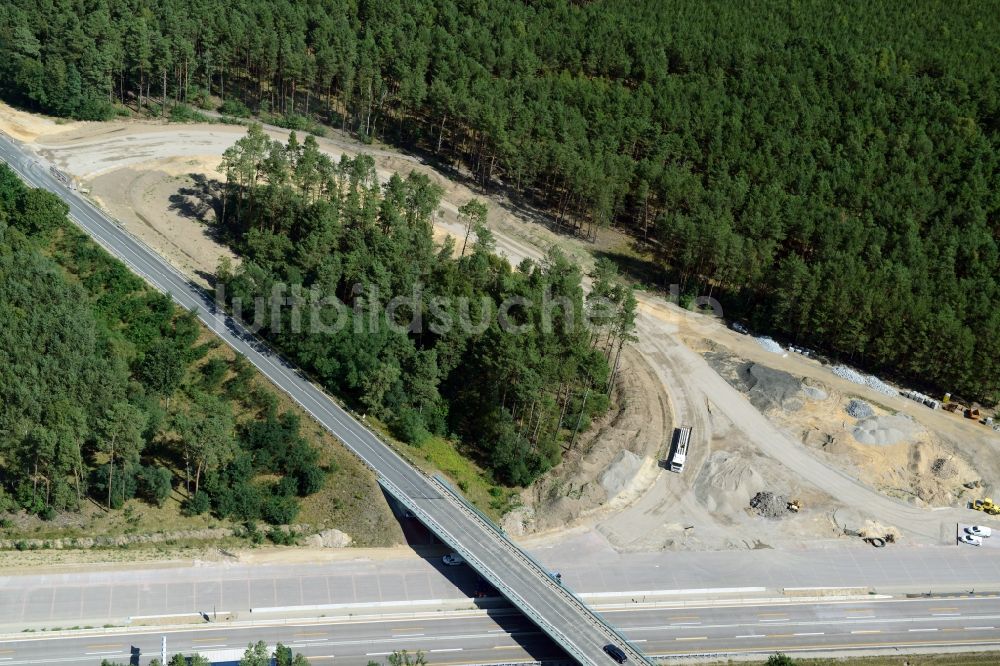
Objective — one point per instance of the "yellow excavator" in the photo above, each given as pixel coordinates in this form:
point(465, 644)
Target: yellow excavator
point(986, 505)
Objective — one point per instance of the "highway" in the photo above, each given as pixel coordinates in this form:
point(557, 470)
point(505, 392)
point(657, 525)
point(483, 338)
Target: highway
point(503, 635)
point(556, 611)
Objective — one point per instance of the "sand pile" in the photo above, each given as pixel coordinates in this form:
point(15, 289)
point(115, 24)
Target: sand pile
point(886, 430)
point(732, 480)
point(620, 472)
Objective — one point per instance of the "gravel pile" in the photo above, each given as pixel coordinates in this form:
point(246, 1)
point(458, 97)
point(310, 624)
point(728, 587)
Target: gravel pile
point(770, 345)
point(769, 505)
point(860, 409)
point(870, 381)
point(814, 393)
point(770, 389)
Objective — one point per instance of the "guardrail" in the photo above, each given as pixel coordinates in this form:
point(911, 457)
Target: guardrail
point(494, 579)
point(598, 620)
point(239, 328)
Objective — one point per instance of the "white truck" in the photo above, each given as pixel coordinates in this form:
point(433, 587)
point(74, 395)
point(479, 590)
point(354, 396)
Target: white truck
point(683, 437)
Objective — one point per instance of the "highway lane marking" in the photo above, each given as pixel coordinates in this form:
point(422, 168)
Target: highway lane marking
point(310, 633)
point(751, 636)
point(922, 630)
point(105, 645)
point(684, 624)
point(686, 617)
point(406, 635)
point(447, 650)
point(846, 646)
point(691, 638)
point(977, 628)
point(809, 633)
point(945, 614)
point(508, 647)
point(946, 608)
point(780, 635)
point(377, 654)
point(772, 614)
point(205, 640)
point(310, 640)
point(406, 628)
point(220, 645)
point(103, 654)
point(867, 631)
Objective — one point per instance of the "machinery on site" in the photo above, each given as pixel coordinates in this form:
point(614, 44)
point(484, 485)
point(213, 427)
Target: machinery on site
point(985, 505)
point(683, 438)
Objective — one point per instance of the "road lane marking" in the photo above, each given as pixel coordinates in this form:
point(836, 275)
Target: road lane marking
point(920, 630)
point(406, 635)
point(945, 614)
point(945, 608)
point(684, 624)
point(780, 635)
point(377, 654)
point(206, 640)
point(977, 628)
point(104, 645)
point(809, 633)
point(772, 614)
point(751, 636)
point(691, 638)
point(506, 647)
point(408, 628)
point(310, 633)
point(220, 645)
point(447, 650)
point(686, 617)
point(867, 631)
point(845, 646)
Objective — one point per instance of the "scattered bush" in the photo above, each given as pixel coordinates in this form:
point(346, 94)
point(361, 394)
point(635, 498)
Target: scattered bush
point(234, 107)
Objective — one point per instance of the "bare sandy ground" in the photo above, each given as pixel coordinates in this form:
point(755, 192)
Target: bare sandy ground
point(136, 171)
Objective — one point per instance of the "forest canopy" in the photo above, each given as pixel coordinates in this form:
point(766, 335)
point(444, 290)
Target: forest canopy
point(828, 169)
point(472, 351)
point(107, 391)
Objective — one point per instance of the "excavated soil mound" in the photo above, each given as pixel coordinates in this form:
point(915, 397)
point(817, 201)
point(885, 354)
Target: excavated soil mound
point(768, 389)
point(769, 505)
point(886, 430)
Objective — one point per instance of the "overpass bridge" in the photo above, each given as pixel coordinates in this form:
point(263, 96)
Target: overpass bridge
point(556, 610)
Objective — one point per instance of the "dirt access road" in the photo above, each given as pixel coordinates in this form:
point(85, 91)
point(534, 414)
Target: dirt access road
point(133, 168)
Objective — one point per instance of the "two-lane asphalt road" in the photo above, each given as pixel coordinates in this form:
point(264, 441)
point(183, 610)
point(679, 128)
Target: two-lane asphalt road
point(556, 611)
point(970, 624)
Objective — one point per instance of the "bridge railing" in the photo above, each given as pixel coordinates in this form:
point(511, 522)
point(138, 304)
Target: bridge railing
point(587, 611)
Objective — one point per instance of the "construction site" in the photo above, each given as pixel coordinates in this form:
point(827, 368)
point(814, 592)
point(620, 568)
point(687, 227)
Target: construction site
point(785, 450)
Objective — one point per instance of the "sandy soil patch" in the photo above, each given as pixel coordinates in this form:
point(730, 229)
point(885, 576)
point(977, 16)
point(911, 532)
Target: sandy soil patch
point(889, 451)
point(135, 168)
point(28, 126)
